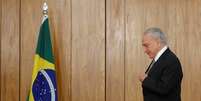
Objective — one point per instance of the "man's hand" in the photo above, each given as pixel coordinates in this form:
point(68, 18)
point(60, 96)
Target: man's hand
point(142, 77)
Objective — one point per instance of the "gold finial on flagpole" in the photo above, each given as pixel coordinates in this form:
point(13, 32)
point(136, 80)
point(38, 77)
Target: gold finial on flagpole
point(45, 8)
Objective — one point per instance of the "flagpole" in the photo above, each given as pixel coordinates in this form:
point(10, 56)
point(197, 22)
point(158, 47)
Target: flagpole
point(45, 9)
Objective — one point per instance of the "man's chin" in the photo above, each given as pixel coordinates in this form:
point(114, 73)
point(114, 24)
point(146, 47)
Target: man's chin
point(151, 57)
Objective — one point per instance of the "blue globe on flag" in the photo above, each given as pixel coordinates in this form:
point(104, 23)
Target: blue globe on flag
point(44, 86)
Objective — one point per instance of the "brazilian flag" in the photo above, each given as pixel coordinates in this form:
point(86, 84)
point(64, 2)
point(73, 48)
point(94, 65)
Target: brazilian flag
point(43, 86)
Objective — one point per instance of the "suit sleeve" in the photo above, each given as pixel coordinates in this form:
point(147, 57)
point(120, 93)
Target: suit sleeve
point(170, 78)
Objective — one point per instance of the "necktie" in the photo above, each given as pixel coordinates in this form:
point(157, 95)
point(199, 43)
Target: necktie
point(150, 66)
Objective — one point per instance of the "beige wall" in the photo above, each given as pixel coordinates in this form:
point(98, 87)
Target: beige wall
point(10, 50)
point(97, 45)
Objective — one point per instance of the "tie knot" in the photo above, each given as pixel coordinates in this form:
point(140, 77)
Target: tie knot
point(153, 61)
point(151, 65)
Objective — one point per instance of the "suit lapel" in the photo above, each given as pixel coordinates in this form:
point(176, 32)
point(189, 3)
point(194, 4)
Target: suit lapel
point(159, 62)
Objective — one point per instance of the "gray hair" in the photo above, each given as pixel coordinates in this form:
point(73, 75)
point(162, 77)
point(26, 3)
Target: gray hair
point(157, 33)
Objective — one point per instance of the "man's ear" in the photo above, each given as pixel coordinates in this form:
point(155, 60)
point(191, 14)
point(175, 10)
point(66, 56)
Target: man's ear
point(159, 43)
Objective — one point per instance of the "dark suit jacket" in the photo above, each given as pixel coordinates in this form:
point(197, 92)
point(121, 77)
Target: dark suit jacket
point(164, 79)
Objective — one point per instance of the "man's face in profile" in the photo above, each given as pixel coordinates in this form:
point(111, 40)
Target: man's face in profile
point(151, 45)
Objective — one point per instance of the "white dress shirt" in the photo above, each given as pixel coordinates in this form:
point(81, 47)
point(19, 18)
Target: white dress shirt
point(160, 53)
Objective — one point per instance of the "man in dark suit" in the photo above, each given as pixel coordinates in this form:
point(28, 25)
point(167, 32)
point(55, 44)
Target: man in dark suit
point(162, 79)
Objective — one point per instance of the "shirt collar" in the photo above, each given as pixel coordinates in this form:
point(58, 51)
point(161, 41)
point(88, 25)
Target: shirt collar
point(160, 53)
